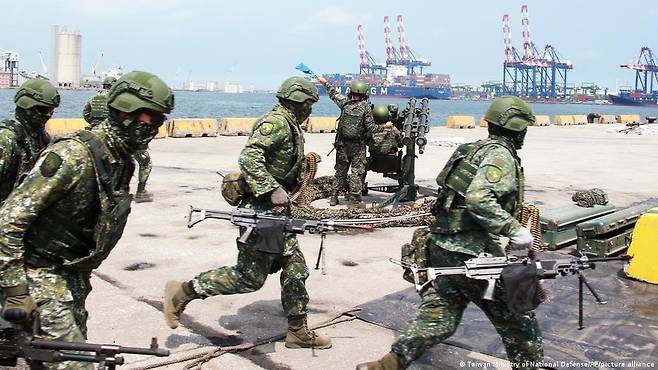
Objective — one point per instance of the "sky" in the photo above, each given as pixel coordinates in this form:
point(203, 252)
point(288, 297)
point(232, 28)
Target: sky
point(258, 43)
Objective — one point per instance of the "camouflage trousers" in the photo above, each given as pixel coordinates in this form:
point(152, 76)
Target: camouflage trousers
point(60, 296)
point(143, 159)
point(350, 154)
point(251, 271)
point(441, 311)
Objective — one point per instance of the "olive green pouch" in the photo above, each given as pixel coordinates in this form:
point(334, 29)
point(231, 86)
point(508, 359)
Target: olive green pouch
point(416, 253)
point(234, 187)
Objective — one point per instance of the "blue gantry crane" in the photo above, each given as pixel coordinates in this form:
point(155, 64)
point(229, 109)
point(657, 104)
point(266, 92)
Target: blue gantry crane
point(534, 75)
point(646, 72)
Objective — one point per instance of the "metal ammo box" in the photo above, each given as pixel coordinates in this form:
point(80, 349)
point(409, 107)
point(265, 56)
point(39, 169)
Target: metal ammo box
point(558, 225)
point(611, 233)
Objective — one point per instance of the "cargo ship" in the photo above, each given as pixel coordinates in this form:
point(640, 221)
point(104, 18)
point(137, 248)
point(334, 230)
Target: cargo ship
point(636, 98)
point(431, 85)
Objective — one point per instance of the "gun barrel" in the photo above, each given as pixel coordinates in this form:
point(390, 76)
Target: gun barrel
point(97, 348)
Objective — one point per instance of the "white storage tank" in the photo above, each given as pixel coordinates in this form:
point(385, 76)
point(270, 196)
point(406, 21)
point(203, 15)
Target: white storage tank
point(66, 63)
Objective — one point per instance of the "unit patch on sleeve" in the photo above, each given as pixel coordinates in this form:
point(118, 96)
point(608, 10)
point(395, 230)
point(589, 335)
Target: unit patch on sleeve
point(50, 164)
point(266, 128)
point(494, 174)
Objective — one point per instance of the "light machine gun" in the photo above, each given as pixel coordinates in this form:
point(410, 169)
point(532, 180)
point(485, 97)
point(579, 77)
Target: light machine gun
point(260, 223)
point(489, 268)
point(16, 344)
point(413, 122)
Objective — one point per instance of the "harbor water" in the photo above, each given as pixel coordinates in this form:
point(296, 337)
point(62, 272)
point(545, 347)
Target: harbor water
point(190, 104)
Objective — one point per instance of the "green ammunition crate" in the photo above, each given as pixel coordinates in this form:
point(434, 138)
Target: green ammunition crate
point(610, 233)
point(603, 247)
point(558, 225)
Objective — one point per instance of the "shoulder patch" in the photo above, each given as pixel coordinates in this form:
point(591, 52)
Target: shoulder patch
point(266, 128)
point(493, 174)
point(50, 164)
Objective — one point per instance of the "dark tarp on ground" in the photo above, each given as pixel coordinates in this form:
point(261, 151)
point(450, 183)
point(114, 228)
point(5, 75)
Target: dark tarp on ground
point(625, 329)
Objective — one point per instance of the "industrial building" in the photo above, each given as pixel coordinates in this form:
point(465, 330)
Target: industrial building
point(8, 69)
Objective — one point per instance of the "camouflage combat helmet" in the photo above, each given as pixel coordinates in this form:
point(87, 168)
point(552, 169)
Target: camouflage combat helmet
point(36, 92)
point(298, 89)
point(511, 113)
point(359, 87)
point(108, 82)
point(136, 90)
point(380, 113)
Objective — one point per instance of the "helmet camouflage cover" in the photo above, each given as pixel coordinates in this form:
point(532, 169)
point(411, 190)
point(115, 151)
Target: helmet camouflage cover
point(37, 92)
point(359, 87)
point(511, 113)
point(380, 113)
point(298, 89)
point(137, 89)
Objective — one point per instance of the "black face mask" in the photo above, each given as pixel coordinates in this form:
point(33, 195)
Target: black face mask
point(518, 139)
point(136, 135)
point(35, 118)
point(300, 110)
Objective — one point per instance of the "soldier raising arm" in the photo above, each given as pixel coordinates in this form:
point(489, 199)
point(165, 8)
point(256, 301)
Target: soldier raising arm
point(355, 126)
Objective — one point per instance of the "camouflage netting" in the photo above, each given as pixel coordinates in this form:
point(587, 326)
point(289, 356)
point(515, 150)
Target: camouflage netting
point(417, 214)
point(590, 198)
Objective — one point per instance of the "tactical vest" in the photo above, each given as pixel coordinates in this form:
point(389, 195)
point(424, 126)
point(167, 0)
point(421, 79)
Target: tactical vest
point(23, 161)
point(98, 108)
point(351, 126)
point(450, 210)
point(286, 167)
point(56, 238)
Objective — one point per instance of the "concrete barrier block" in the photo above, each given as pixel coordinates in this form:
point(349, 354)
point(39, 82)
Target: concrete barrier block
point(182, 127)
point(56, 126)
point(563, 120)
point(162, 132)
point(628, 118)
point(579, 119)
point(607, 119)
point(322, 124)
point(542, 121)
point(209, 126)
point(483, 122)
point(461, 122)
point(230, 126)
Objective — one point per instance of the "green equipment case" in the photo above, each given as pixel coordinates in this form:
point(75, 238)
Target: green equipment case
point(611, 233)
point(558, 225)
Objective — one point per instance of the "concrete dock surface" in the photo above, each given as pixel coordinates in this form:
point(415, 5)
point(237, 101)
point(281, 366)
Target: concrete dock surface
point(126, 302)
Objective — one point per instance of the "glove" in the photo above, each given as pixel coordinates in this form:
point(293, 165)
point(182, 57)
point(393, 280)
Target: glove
point(18, 305)
point(279, 197)
point(521, 241)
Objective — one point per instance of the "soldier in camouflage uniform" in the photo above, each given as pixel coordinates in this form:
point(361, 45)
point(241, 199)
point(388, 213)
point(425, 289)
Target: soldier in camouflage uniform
point(385, 142)
point(272, 166)
point(70, 211)
point(355, 125)
point(95, 112)
point(24, 137)
point(480, 200)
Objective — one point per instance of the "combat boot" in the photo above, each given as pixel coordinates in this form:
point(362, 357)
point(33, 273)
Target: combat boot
point(389, 362)
point(333, 200)
point(356, 202)
point(177, 295)
point(143, 195)
point(299, 336)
